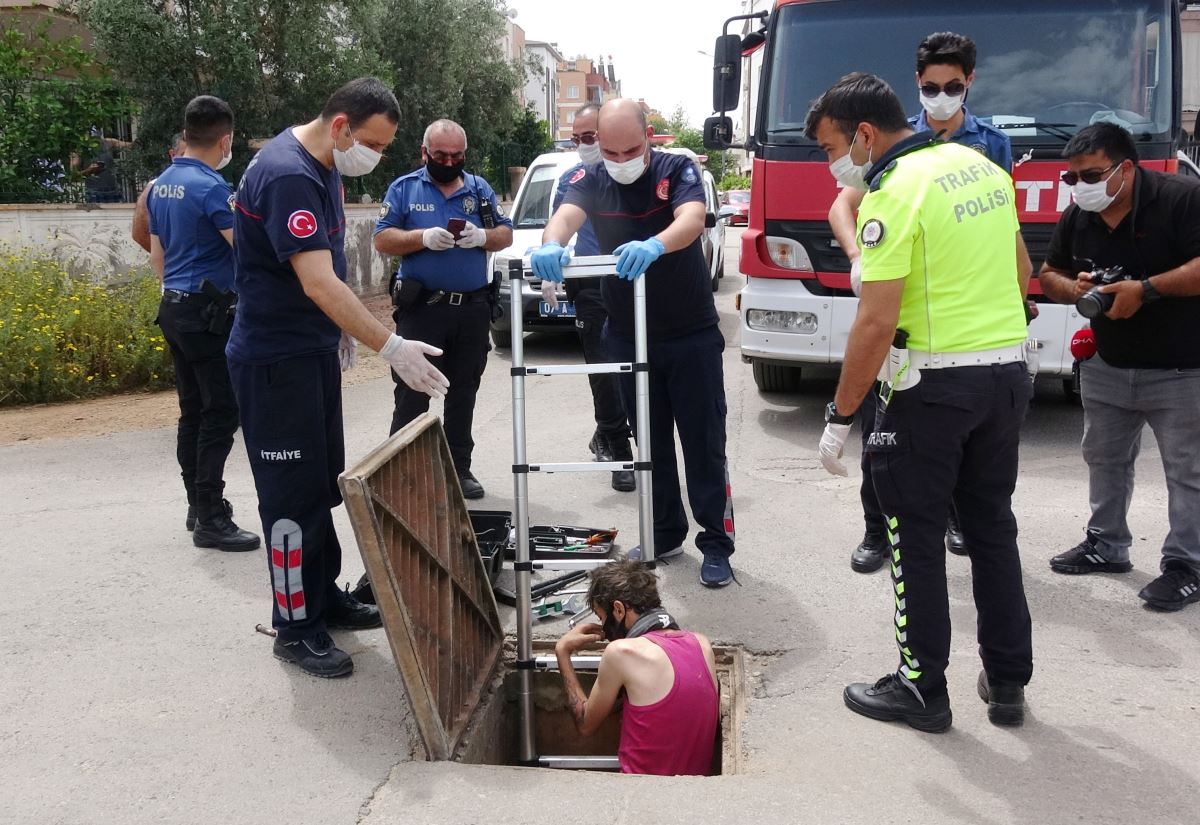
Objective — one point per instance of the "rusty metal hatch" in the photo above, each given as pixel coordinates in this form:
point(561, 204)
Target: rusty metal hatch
point(433, 592)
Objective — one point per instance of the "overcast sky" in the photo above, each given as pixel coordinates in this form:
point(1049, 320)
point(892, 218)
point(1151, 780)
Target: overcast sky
point(654, 44)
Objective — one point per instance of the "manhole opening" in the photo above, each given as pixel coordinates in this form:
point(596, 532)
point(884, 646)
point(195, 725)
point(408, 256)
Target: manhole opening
point(491, 737)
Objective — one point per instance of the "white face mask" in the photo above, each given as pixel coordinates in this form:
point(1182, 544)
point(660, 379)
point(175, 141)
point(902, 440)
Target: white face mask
point(626, 172)
point(1094, 197)
point(225, 158)
point(589, 154)
point(848, 173)
point(357, 160)
point(942, 107)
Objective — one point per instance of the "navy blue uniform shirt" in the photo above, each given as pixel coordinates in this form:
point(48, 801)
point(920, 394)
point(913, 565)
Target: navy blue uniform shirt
point(980, 136)
point(287, 203)
point(413, 201)
point(189, 204)
point(585, 239)
point(678, 285)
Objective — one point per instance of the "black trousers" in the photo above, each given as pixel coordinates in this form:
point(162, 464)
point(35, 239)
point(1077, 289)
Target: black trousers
point(590, 317)
point(461, 332)
point(872, 514)
point(954, 436)
point(208, 410)
point(292, 424)
point(687, 393)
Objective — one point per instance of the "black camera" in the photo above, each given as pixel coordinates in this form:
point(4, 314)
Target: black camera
point(1094, 303)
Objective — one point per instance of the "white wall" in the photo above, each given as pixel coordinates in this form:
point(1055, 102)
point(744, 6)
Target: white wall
point(94, 241)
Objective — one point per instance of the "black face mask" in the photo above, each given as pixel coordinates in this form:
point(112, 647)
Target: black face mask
point(442, 173)
point(613, 629)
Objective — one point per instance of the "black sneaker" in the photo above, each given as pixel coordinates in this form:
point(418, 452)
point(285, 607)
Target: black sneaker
point(345, 612)
point(219, 531)
point(316, 655)
point(715, 571)
point(1084, 558)
point(1005, 701)
point(955, 543)
point(623, 481)
point(870, 554)
point(471, 488)
point(890, 700)
point(1175, 589)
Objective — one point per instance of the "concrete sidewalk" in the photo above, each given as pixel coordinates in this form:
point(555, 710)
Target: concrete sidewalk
point(135, 690)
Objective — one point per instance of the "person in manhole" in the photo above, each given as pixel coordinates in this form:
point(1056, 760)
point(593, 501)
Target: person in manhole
point(667, 675)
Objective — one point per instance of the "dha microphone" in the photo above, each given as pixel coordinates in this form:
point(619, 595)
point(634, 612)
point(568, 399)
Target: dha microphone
point(1083, 344)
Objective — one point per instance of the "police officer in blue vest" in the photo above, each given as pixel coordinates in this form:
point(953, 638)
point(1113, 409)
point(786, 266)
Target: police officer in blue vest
point(443, 222)
point(297, 328)
point(191, 237)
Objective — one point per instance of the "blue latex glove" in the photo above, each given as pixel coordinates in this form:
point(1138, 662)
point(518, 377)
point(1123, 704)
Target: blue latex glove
point(635, 257)
point(548, 261)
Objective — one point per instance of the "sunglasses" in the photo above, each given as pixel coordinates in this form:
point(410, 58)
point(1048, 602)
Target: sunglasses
point(954, 88)
point(587, 138)
point(1087, 175)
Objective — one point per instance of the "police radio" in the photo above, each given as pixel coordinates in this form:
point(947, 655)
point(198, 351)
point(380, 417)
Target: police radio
point(486, 213)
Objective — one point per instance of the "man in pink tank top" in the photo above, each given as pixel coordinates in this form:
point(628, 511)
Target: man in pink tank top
point(667, 675)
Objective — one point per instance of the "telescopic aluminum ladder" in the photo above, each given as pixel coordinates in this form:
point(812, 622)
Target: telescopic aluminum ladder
point(582, 267)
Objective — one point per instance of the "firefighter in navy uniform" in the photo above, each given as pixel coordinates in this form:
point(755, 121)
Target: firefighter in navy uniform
point(190, 238)
point(942, 313)
point(648, 209)
point(442, 293)
point(296, 329)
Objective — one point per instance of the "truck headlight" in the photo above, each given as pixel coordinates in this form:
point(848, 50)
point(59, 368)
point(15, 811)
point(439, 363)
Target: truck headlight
point(788, 253)
point(776, 320)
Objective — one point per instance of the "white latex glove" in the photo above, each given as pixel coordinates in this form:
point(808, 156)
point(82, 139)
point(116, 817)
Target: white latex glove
point(833, 441)
point(437, 239)
point(347, 351)
point(856, 277)
point(473, 237)
point(408, 360)
point(550, 293)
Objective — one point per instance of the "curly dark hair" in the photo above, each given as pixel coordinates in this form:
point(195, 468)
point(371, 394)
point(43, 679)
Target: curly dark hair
point(629, 582)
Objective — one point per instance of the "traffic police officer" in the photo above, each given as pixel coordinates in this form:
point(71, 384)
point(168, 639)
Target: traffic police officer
point(443, 222)
point(648, 209)
point(945, 74)
point(940, 241)
point(296, 327)
point(191, 233)
point(610, 442)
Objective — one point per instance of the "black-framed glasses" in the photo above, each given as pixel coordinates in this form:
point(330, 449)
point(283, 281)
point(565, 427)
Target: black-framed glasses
point(446, 158)
point(1087, 175)
point(586, 138)
point(954, 88)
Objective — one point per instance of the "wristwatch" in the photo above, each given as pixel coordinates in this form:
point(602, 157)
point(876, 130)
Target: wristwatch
point(833, 417)
point(1149, 293)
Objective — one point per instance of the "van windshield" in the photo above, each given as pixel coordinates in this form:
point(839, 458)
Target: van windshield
point(533, 209)
point(1071, 62)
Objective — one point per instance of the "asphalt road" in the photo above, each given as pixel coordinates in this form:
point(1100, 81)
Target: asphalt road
point(134, 688)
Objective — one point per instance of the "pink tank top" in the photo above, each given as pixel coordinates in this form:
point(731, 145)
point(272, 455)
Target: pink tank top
point(674, 736)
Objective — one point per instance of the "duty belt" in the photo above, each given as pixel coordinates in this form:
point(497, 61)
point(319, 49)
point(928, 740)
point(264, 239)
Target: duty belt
point(985, 357)
point(178, 296)
point(454, 299)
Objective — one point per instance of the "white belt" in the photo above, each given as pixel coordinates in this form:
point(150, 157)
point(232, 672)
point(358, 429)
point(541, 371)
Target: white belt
point(942, 360)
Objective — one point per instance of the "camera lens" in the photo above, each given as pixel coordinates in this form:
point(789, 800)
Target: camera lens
point(1094, 303)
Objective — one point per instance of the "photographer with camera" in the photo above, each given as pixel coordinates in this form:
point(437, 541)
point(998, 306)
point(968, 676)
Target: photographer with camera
point(1127, 253)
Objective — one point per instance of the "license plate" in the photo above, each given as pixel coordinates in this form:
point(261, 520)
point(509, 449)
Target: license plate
point(565, 309)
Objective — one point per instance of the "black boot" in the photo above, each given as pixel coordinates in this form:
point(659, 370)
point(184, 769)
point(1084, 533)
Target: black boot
point(622, 480)
point(214, 528)
point(190, 523)
point(954, 537)
point(870, 553)
point(347, 613)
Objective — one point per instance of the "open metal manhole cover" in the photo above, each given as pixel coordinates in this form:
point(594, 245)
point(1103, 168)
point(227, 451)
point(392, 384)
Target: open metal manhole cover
point(430, 583)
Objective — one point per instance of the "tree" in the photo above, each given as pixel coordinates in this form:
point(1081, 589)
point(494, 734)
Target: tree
point(52, 94)
point(276, 61)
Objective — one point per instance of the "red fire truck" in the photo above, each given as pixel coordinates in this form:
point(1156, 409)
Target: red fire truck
point(1046, 68)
